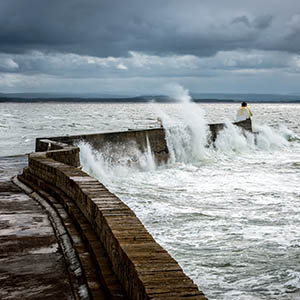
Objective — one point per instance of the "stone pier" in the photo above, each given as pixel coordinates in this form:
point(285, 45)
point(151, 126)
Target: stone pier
point(64, 235)
point(136, 267)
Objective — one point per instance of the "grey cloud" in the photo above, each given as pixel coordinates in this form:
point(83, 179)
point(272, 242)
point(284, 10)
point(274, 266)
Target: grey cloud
point(260, 22)
point(115, 27)
point(8, 65)
point(242, 19)
point(263, 22)
point(293, 27)
point(141, 65)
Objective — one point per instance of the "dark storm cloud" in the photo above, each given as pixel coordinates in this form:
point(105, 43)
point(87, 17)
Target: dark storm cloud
point(260, 22)
point(242, 19)
point(114, 27)
point(263, 22)
point(90, 27)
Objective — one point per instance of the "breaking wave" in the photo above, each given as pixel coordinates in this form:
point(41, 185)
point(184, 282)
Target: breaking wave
point(216, 208)
point(187, 143)
point(187, 138)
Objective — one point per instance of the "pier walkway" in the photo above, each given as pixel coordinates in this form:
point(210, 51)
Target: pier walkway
point(42, 256)
point(63, 235)
point(31, 265)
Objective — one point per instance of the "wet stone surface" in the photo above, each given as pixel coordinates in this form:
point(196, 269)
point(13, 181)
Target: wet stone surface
point(31, 263)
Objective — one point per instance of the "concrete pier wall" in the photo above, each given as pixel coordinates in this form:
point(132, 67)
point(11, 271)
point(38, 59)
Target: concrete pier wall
point(144, 269)
point(112, 142)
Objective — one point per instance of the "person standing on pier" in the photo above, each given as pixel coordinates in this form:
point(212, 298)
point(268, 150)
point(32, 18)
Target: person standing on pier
point(243, 113)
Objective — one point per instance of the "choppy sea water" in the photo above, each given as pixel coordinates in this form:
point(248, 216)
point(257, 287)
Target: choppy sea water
point(229, 214)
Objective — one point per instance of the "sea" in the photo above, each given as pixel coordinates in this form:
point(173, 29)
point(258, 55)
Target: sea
point(228, 213)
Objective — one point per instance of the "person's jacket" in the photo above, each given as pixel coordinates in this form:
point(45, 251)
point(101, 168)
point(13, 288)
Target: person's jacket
point(243, 113)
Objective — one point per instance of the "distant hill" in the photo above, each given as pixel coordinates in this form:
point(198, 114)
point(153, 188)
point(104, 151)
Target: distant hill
point(249, 97)
point(45, 98)
point(197, 97)
point(59, 95)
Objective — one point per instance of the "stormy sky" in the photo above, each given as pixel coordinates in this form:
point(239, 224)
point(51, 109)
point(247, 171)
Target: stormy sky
point(138, 47)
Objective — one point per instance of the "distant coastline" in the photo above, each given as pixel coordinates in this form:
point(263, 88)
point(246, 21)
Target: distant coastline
point(198, 98)
point(130, 100)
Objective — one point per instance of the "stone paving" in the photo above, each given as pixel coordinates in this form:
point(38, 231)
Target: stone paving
point(44, 254)
point(135, 261)
point(32, 265)
point(63, 240)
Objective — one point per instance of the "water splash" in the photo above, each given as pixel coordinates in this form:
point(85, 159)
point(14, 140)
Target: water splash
point(187, 140)
point(147, 160)
point(270, 139)
point(177, 92)
point(116, 160)
point(264, 138)
point(233, 139)
point(109, 164)
point(287, 133)
point(187, 135)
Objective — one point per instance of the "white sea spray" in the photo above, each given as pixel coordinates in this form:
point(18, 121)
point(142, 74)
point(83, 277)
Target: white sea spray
point(231, 221)
point(186, 135)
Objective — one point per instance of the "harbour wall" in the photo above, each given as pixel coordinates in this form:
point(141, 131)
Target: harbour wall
point(144, 269)
point(113, 141)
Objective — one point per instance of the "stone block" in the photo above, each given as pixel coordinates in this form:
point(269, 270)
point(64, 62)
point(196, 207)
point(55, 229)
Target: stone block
point(143, 267)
